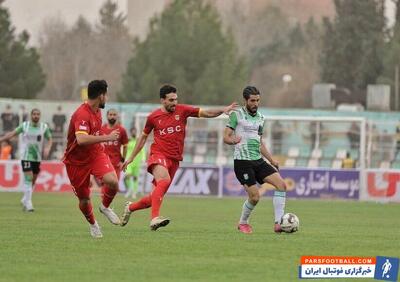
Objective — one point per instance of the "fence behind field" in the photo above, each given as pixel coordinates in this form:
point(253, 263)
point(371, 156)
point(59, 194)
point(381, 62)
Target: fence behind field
point(297, 138)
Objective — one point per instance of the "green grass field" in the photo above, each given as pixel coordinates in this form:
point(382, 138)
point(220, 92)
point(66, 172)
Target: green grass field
point(200, 244)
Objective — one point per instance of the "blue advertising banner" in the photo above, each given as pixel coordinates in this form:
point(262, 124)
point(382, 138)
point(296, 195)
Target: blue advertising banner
point(305, 183)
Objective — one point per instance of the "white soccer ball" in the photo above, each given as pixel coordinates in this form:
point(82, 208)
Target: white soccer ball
point(290, 223)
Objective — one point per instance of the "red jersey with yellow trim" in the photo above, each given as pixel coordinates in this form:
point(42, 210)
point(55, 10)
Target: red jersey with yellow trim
point(113, 148)
point(169, 130)
point(84, 120)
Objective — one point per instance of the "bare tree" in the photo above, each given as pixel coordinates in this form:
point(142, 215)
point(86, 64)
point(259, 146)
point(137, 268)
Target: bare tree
point(72, 56)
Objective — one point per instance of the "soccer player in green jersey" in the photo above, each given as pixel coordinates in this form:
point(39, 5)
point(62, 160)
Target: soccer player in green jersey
point(244, 130)
point(33, 133)
point(133, 169)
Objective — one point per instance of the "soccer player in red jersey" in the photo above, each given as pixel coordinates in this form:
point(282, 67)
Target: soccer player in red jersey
point(113, 148)
point(168, 124)
point(85, 155)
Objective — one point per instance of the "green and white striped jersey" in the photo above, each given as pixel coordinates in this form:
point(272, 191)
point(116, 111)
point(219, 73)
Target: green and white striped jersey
point(250, 129)
point(31, 140)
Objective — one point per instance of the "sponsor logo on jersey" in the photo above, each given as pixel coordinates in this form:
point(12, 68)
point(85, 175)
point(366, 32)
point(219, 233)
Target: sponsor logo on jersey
point(250, 128)
point(111, 143)
point(170, 130)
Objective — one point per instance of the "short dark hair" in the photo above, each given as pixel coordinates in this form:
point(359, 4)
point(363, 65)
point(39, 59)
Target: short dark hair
point(250, 90)
point(112, 110)
point(166, 89)
point(35, 110)
point(96, 88)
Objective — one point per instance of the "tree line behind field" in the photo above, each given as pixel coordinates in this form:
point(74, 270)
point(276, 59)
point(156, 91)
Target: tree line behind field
point(209, 55)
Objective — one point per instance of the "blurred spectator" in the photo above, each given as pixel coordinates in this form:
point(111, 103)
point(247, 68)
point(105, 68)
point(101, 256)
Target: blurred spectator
point(7, 119)
point(321, 137)
point(397, 139)
point(348, 162)
point(386, 145)
point(15, 120)
point(313, 134)
point(277, 133)
point(5, 150)
point(354, 135)
point(212, 147)
point(23, 115)
point(10, 121)
point(59, 119)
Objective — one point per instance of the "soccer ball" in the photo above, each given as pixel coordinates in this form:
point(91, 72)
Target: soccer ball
point(290, 223)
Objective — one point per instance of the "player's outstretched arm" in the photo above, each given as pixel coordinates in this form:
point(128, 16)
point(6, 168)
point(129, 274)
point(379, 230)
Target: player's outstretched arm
point(230, 138)
point(267, 155)
point(86, 139)
point(138, 147)
point(211, 113)
point(9, 135)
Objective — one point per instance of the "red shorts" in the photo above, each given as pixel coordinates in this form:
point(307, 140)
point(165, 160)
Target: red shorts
point(158, 159)
point(117, 170)
point(79, 175)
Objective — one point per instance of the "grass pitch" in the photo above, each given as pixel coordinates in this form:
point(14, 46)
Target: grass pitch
point(200, 244)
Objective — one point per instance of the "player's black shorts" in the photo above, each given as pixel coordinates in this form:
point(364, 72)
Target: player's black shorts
point(250, 172)
point(30, 166)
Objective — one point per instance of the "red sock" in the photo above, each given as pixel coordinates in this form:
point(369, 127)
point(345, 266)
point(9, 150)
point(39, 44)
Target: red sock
point(157, 196)
point(108, 195)
point(87, 210)
point(143, 203)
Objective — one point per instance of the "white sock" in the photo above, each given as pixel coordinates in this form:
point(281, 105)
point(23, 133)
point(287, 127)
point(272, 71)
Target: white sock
point(246, 211)
point(27, 192)
point(279, 200)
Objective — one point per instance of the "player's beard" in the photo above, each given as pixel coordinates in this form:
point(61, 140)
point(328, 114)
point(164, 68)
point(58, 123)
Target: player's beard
point(102, 105)
point(112, 121)
point(171, 109)
point(252, 110)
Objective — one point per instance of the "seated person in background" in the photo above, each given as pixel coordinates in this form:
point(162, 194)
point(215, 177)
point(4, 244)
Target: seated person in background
point(348, 162)
point(5, 150)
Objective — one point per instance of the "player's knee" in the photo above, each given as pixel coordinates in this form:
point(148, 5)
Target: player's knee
point(254, 198)
point(165, 179)
point(113, 183)
point(282, 186)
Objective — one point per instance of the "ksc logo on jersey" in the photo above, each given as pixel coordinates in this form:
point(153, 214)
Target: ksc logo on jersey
point(170, 130)
point(386, 268)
